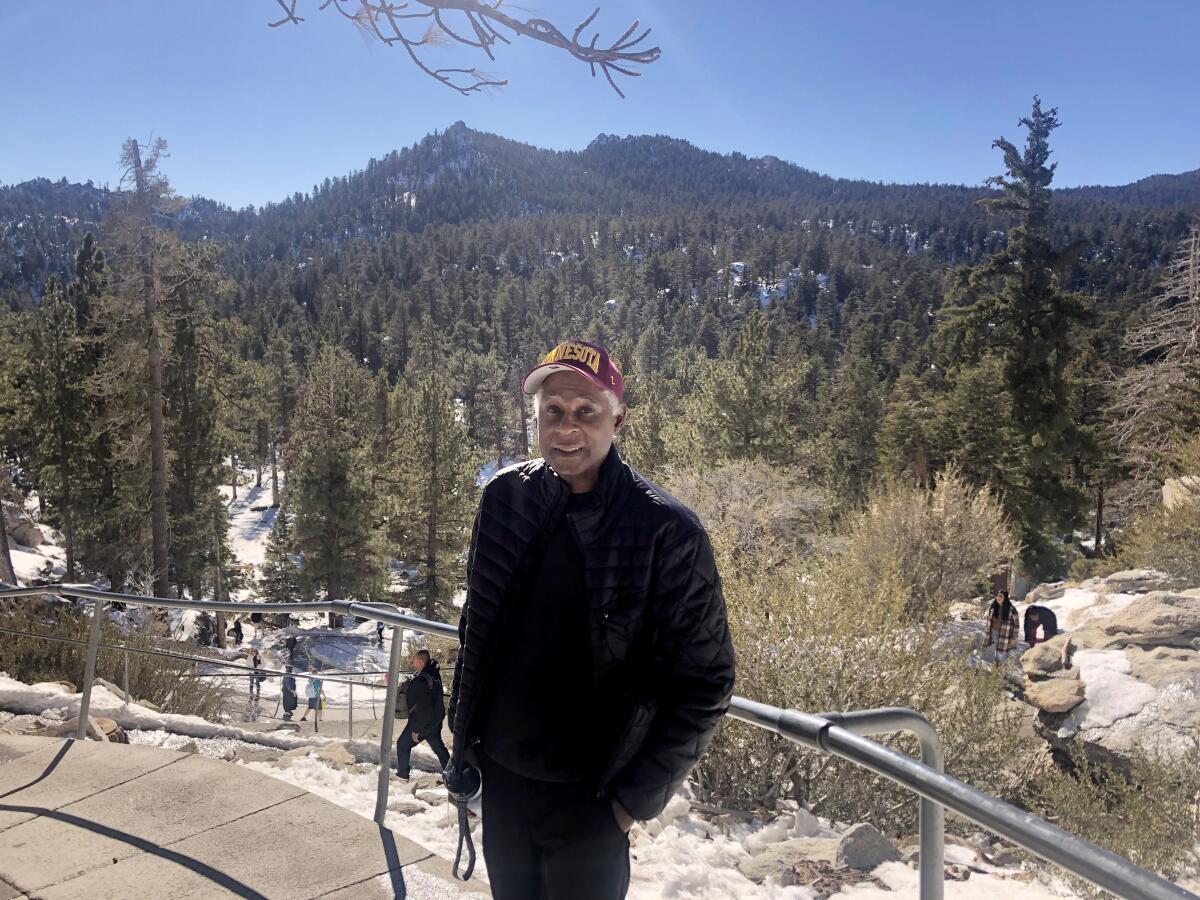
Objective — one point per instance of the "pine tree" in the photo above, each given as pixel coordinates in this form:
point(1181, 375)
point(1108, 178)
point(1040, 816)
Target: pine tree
point(434, 494)
point(1013, 306)
point(746, 406)
point(329, 481)
point(279, 580)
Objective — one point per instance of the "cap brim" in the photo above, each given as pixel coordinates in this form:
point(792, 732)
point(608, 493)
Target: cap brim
point(539, 374)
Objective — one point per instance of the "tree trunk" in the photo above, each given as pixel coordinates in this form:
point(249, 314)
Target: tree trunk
point(233, 477)
point(154, 366)
point(523, 427)
point(274, 477)
point(7, 574)
point(68, 503)
point(431, 587)
point(1099, 549)
point(217, 584)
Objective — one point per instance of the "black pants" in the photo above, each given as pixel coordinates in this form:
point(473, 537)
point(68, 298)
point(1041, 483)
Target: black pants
point(547, 841)
point(404, 746)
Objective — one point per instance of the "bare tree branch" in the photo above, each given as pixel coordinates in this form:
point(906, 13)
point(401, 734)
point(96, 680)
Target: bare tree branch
point(477, 24)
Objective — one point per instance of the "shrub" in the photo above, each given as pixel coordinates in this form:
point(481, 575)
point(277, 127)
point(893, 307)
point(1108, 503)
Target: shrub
point(930, 547)
point(167, 683)
point(1148, 815)
point(1164, 539)
point(752, 507)
point(808, 638)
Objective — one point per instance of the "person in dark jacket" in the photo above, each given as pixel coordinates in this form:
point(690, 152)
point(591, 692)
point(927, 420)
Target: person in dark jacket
point(579, 561)
point(237, 632)
point(257, 676)
point(288, 689)
point(1043, 617)
point(426, 712)
point(290, 643)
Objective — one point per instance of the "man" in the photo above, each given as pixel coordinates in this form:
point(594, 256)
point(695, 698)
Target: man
point(426, 711)
point(595, 657)
point(1043, 617)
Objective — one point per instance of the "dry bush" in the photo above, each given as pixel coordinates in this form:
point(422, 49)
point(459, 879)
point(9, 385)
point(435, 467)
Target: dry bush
point(931, 547)
point(752, 507)
point(1150, 815)
point(167, 683)
point(809, 639)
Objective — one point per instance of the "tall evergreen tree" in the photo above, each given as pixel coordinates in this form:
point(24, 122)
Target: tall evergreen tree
point(1014, 306)
point(329, 481)
point(279, 580)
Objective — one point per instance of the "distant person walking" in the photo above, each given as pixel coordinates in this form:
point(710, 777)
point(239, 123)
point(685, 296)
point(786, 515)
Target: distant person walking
point(426, 710)
point(290, 700)
point(290, 643)
point(313, 691)
point(1039, 617)
point(237, 632)
point(256, 678)
point(1002, 626)
point(379, 632)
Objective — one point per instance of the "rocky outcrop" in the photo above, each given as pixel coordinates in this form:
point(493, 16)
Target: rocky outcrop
point(1159, 619)
point(1126, 683)
point(1178, 491)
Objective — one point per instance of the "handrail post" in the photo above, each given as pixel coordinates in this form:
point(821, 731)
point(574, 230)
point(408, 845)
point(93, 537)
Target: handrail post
point(89, 669)
point(126, 654)
point(931, 816)
point(389, 719)
point(350, 722)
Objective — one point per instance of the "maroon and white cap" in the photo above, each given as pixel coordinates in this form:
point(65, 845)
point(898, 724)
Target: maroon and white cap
point(589, 360)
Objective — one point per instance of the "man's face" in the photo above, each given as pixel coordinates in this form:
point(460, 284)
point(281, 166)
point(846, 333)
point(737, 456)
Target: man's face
point(418, 663)
point(576, 426)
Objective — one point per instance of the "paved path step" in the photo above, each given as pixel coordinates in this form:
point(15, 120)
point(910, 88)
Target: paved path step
point(81, 819)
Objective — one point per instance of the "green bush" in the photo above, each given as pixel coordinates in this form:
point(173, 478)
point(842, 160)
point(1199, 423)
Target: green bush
point(167, 683)
point(1164, 539)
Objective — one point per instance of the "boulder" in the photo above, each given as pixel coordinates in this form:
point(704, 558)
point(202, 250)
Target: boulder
point(782, 857)
point(1157, 619)
point(406, 807)
point(26, 533)
point(1055, 695)
point(864, 847)
point(1049, 591)
point(1140, 581)
point(98, 729)
point(1178, 491)
point(1047, 658)
point(425, 782)
point(117, 692)
point(21, 725)
point(432, 796)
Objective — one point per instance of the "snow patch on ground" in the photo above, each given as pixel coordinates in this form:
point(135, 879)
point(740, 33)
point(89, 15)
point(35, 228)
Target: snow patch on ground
point(1112, 693)
point(1078, 606)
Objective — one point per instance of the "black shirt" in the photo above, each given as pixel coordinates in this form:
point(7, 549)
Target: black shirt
point(540, 719)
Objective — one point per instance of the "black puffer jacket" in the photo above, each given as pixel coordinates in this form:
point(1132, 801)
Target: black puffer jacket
point(661, 650)
point(424, 694)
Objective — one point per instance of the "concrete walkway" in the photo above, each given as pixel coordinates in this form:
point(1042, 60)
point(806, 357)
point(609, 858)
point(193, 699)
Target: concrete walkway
point(80, 819)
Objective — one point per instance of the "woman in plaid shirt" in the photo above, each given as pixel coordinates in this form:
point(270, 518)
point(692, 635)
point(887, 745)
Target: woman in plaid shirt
point(1002, 625)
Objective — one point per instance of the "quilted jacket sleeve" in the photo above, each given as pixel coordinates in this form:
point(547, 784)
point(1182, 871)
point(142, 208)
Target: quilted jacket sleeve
point(692, 679)
point(462, 622)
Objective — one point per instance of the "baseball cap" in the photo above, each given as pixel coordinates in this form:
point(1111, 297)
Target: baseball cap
point(589, 360)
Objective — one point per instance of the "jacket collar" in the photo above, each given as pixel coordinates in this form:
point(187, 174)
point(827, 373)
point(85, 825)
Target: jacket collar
point(612, 484)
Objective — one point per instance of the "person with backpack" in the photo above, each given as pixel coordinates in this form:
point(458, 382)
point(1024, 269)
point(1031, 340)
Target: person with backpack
point(313, 692)
point(290, 700)
point(426, 710)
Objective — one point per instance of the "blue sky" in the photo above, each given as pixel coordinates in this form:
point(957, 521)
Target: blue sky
point(891, 91)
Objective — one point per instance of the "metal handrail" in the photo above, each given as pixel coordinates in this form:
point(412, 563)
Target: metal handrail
point(832, 734)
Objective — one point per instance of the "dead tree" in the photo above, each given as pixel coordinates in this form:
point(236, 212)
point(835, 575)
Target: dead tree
point(481, 25)
point(1166, 346)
